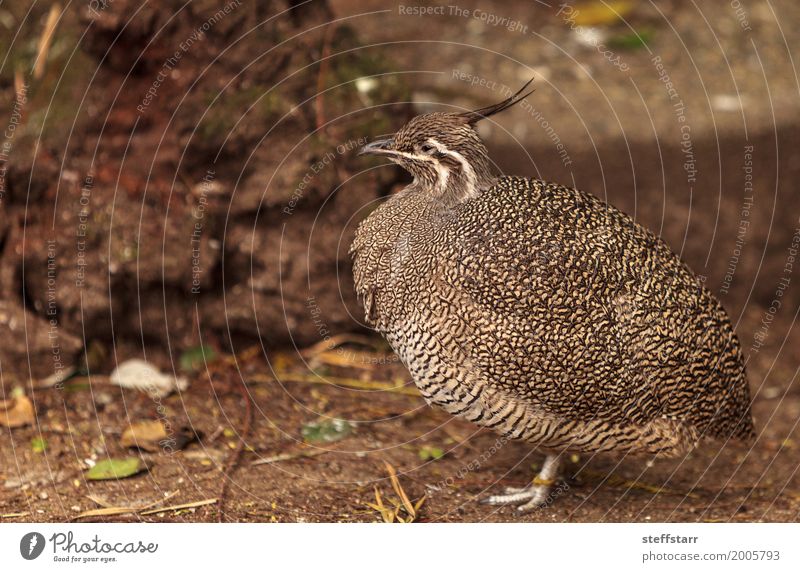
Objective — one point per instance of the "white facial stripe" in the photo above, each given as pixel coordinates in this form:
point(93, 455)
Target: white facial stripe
point(469, 172)
point(444, 176)
point(406, 155)
point(443, 172)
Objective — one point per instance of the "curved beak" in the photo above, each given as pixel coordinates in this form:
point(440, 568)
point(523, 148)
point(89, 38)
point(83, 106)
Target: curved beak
point(378, 147)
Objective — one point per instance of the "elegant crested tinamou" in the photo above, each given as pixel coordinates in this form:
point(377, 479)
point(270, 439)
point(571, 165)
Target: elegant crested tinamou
point(541, 311)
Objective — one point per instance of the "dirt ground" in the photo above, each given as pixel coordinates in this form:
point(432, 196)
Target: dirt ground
point(318, 481)
point(261, 462)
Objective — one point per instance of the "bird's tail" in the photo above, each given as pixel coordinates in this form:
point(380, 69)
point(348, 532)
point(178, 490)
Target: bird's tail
point(734, 419)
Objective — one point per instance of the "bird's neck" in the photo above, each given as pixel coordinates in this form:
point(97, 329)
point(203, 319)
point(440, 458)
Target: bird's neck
point(455, 186)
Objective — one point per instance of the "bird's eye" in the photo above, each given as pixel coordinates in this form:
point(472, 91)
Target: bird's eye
point(427, 149)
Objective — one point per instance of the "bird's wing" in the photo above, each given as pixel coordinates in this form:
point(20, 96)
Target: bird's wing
point(569, 303)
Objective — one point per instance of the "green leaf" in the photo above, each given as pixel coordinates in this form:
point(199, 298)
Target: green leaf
point(195, 358)
point(38, 444)
point(427, 452)
point(115, 469)
point(631, 41)
point(76, 386)
point(326, 430)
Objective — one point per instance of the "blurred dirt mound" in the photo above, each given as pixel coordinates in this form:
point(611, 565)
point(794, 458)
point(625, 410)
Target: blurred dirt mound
point(174, 173)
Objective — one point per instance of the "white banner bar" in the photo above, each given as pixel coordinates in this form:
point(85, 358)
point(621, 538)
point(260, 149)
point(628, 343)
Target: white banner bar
point(354, 547)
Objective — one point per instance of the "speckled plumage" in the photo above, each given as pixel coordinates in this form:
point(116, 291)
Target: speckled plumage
point(545, 314)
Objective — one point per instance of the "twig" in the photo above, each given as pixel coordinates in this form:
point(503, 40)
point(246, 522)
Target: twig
point(108, 510)
point(179, 506)
point(233, 461)
point(288, 457)
point(319, 104)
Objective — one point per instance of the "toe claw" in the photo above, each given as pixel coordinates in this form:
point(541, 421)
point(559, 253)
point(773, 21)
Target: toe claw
point(528, 498)
point(500, 500)
point(514, 490)
point(533, 504)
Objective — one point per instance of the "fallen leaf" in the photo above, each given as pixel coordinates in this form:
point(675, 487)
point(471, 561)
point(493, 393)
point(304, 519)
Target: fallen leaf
point(428, 452)
point(326, 430)
point(116, 469)
point(141, 375)
point(16, 412)
point(39, 444)
point(146, 435)
point(152, 436)
point(601, 13)
point(195, 358)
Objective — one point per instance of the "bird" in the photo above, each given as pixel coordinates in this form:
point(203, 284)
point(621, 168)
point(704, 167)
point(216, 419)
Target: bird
point(540, 311)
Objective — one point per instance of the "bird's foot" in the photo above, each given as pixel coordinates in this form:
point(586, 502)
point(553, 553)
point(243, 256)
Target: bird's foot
point(536, 495)
point(528, 498)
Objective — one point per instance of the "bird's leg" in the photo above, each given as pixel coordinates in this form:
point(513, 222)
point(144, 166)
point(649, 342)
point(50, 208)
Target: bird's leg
point(534, 495)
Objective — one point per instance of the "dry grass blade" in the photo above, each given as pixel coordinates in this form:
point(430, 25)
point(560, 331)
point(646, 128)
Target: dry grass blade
point(323, 72)
point(45, 40)
point(353, 359)
point(19, 83)
point(619, 482)
point(340, 381)
point(387, 514)
point(338, 340)
point(13, 514)
point(400, 492)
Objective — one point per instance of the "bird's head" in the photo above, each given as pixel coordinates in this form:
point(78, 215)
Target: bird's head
point(443, 152)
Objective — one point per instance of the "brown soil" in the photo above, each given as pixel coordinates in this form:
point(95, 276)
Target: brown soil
point(335, 481)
